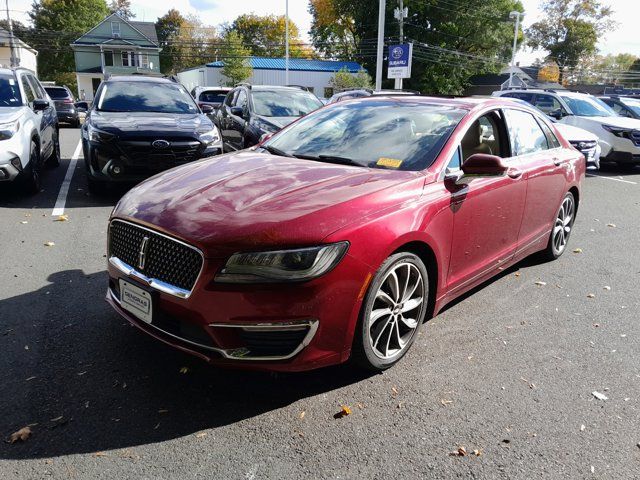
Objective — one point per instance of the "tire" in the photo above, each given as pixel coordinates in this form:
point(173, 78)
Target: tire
point(391, 317)
point(54, 158)
point(33, 182)
point(562, 228)
point(626, 167)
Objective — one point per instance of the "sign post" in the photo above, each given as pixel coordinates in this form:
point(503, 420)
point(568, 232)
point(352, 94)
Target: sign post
point(400, 60)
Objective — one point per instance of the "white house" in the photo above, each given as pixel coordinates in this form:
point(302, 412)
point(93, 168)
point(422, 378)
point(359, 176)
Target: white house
point(27, 56)
point(315, 75)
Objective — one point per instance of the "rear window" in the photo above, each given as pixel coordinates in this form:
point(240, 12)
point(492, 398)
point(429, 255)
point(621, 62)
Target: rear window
point(57, 93)
point(145, 97)
point(284, 103)
point(9, 92)
point(212, 96)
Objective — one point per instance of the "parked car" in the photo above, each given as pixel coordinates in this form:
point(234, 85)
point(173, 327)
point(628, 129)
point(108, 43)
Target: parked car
point(211, 96)
point(366, 92)
point(139, 126)
point(65, 104)
point(619, 137)
point(28, 129)
point(338, 236)
point(250, 112)
point(623, 106)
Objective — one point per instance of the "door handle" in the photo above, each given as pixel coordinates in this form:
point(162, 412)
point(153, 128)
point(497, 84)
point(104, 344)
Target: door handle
point(557, 162)
point(514, 173)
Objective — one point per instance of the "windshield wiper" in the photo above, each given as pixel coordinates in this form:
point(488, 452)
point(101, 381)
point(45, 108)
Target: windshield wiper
point(275, 151)
point(331, 159)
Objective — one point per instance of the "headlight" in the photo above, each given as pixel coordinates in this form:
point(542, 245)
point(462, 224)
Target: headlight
point(264, 126)
point(210, 137)
point(282, 265)
point(97, 135)
point(8, 130)
point(617, 131)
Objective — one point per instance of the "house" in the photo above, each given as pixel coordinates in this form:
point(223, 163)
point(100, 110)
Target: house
point(115, 47)
point(314, 75)
point(523, 77)
point(27, 56)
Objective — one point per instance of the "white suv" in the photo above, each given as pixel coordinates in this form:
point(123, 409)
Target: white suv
point(619, 137)
point(28, 128)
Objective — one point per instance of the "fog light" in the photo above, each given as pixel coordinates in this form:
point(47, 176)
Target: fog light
point(15, 161)
point(116, 170)
point(3, 174)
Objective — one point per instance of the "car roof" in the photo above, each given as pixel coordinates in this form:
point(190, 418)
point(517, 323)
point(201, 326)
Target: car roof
point(274, 87)
point(139, 78)
point(467, 103)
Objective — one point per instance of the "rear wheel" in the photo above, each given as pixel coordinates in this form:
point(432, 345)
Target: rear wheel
point(392, 313)
point(54, 158)
point(32, 179)
point(561, 228)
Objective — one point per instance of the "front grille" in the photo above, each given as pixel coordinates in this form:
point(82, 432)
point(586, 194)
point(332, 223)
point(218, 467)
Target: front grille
point(635, 137)
point(165, 259)
point(142, 154)
point(272, 343)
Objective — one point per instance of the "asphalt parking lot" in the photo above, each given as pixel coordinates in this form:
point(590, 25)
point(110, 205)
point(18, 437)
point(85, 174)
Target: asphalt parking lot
point(509, 371)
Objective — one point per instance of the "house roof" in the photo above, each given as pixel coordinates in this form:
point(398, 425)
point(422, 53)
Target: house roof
point(146, 29)
point(297, 64)
point(4, 38)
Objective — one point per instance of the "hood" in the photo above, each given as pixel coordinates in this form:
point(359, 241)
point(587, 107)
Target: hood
point(622, 122)
point(278, 122)
point(250, 200)
point(575, 134)
point(139, 123)
point(10, 114)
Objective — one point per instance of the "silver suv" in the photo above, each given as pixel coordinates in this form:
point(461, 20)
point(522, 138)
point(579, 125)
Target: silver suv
point(29, 134)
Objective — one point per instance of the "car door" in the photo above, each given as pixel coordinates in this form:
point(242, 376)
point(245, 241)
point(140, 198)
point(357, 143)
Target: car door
point(545, 166)
point(223, 116)
point(487, 211)
point(49, 117)
point(30, 96)
point(237, 123)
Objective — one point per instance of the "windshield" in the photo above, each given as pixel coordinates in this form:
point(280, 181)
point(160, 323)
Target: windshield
point(213, 96)
point(9, 92)
point(632, 103)
point(588, 106)
point(393, 134)
point(145, 97)
point(57, 93)
point(284, 103)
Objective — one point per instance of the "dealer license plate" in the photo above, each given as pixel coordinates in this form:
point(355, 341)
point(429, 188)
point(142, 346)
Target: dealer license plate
point(136, 301)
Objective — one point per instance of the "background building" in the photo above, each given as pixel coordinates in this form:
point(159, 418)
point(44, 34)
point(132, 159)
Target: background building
point(118, 47)
point(27, 55)
point(315, 75)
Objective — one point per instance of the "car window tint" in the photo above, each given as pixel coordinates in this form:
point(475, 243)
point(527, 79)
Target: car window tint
point(552, 140)
point(57, 93)
point(456, 160)
point(28, 91)
point(230, 98)
point(212, 96)
point(527, 97)
point(146, 97)
point(241, 100)
point(526, 135)
point(9, 92)
point(483, 136)
point(37, 89)
point(284, 103)
point(547, 103)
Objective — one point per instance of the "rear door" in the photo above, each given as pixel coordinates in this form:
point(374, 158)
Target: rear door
point(237, 123)
point(545, 165)
point(488, 211)
point(224, 117)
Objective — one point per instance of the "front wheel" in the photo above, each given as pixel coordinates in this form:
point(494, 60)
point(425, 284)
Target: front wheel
point(32, 179)
point(392, 313)
point(561, 228)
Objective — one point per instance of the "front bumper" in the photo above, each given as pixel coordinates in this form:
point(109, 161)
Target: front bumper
point(67, 116)
point(277, 327)
point(13, 158)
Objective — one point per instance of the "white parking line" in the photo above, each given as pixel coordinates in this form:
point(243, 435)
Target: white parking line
point(58, 209)
point(614, 179)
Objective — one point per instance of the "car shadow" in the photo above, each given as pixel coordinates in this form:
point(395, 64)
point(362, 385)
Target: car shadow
point(86, 381)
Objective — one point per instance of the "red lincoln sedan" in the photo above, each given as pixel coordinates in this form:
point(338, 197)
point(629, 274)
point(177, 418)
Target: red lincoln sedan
point(340, 235)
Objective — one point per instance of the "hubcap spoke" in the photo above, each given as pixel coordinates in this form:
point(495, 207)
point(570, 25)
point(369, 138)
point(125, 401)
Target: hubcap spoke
point(411, 304)
point(378, 314)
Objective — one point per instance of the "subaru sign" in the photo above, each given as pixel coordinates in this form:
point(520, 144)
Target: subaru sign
point(400, 61)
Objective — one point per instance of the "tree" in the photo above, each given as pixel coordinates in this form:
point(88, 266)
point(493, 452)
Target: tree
point(264, 36)
point(549, 72)
point(570, 29)
point(451, 43)
point(236, 59)
point(344, 80)
point(167, 28)
point(122, 8)
point(56, 25)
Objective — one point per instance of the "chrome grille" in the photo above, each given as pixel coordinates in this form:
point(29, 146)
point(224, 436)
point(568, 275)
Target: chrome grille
point(141, 153)
point(165, 259)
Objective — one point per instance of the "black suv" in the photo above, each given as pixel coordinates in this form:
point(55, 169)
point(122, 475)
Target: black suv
point(65, 104)
point(249, 112)
point(138, 126)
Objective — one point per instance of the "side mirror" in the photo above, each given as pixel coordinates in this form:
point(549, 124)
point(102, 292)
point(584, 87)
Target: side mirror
point(82, 106)
point(478, 165)
point(207, 109)
point(40, 105)
point(237, 111)
point(557, 114)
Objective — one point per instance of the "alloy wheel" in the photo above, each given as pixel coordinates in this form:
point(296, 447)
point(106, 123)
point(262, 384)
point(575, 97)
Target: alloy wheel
point(563, 224)
point(397, 309)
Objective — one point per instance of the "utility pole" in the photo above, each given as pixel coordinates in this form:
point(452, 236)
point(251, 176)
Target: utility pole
point(15, 61)
point(400, 14)
point(517, 16)
point(286, 46)
point(380, 54)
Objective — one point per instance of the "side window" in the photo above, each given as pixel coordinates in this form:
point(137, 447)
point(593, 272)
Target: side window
point(619, 109)
point(241, 100)
point(28, 91)
point(229, 100)
point(527, 97)
point(526, 135)
point(456, 161)
point(37, 89)
point(484, 136)
point(552, 140)
point(547, 103)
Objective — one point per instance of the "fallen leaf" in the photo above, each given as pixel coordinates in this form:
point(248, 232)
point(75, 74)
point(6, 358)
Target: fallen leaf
point(582, 427)
point(57, 419)
point(100, 454)
point(445, 402)
point(49, 244)
point(24, 222)
point(611, 225)
point(517, 274)
point(62, 218)
point(302, 414)
point(540, 283)
point(591, 295)
point(606, 287)
point(394, 390)
point(600, 396)
point(343, 412)
point(201, 434)
point(460, 452)
point(163, 410)
point(577, 250)
point(184, 370)
point(21, 435)
point(477, 452)
point(30, 378)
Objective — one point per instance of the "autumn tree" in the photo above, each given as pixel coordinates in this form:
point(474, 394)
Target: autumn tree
point(236, 66)
point(167, 28)
point(549, 72)
point(333, 32)
point(264, 36)
point(122, 8)
point(570, 29)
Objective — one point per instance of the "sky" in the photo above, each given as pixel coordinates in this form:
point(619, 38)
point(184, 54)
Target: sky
point(623, 39)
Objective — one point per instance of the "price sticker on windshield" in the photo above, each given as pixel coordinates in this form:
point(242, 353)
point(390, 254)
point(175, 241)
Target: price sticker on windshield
point(389, 162)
